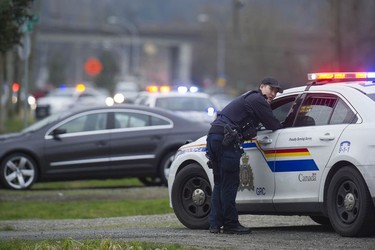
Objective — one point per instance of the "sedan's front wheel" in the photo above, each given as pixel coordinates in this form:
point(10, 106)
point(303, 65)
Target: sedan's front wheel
point(18, 171)
point(349, 204)
point(191, 197)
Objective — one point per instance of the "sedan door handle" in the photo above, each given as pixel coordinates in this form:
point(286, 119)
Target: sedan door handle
point(327, 137)
point(265, 140)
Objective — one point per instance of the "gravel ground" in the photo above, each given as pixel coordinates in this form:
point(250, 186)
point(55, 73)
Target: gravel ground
point(155, 228)
point(269, 232)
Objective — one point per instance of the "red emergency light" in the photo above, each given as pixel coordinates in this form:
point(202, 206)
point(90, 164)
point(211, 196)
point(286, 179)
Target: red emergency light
point(340, 75)
point(15, 87)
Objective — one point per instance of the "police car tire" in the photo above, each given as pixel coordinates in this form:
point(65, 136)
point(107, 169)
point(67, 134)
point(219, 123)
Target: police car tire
point(26, 168)
point(190, 179)
point(355, 222)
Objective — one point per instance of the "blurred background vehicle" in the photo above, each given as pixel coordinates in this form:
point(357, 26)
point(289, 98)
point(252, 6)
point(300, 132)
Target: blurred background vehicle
point(222, 99)
point(126, 92)
point(194, 106)
point(96, 143)
point(65, 98)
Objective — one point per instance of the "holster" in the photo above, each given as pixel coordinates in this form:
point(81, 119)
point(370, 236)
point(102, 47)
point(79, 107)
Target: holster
point(230, 135)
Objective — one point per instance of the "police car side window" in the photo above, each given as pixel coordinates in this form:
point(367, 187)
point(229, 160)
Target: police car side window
point(316, 110)
point(343, 114)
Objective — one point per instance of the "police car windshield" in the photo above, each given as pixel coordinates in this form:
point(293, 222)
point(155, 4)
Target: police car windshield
point(67, 92)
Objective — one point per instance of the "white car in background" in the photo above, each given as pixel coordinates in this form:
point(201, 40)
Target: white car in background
point(320, 164)
point(195, 106)
point(65, 98)
point(126, 92)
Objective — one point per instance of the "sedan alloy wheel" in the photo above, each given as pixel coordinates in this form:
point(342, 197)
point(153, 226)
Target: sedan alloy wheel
point(18, 171)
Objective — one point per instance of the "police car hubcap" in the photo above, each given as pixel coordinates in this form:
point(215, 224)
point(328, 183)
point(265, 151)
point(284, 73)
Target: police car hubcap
point(198, 197)
point(349, 201)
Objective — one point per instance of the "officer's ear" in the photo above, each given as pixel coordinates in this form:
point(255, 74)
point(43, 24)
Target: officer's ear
point(261, 87)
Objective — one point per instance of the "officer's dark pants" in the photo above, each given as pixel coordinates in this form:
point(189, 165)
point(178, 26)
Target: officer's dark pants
point(226, 162)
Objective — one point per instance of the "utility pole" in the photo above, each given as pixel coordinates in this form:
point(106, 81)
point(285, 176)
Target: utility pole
point(221, 45)
point(236, 7)
point(135, 41)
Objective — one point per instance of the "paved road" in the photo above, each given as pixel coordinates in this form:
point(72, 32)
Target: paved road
point(269, 232)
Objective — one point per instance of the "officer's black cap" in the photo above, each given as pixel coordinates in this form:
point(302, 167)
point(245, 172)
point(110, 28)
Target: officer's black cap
point(273, 83)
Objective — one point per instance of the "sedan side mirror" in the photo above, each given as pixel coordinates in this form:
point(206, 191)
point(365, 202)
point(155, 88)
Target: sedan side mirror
point(56, 132)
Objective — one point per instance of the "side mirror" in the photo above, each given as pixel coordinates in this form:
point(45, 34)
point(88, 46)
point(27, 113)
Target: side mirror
point(56, 132)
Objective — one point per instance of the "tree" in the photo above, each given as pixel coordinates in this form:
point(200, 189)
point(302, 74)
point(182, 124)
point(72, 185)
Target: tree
point(13, 14)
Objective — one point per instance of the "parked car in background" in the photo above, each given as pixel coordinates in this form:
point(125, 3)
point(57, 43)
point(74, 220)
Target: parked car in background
point(320, 164)
point(195, 106)
point(126, 92)
point(65, 98)
point(96, 143)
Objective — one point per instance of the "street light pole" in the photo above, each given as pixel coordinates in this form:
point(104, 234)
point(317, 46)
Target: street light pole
point(221, 40)
point(135, 41)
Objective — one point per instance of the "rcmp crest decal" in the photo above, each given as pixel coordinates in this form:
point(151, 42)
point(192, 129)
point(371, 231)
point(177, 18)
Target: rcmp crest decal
point(246, 175)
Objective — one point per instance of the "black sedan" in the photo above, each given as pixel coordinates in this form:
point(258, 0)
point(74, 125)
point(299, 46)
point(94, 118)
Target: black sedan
point(96, 143)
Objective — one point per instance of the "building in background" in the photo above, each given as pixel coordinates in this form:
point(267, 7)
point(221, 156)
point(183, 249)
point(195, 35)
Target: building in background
point(237, 44)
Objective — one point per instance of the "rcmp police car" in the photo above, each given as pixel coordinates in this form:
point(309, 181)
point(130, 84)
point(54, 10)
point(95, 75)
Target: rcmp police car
point(320, 164)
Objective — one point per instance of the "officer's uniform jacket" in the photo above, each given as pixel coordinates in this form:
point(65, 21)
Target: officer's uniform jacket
point(249, 109)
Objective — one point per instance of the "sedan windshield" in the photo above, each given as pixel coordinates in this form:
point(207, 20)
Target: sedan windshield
point(39, 124)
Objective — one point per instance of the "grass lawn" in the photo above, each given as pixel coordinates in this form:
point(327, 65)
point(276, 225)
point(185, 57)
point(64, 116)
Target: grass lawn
point(84, 200)
point(100, 244)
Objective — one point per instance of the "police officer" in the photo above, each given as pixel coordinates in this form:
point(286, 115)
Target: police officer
point(237, 122)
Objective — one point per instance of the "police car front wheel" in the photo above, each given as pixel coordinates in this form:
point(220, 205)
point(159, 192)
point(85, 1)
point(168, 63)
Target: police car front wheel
point(191, 197)
point(349, 204)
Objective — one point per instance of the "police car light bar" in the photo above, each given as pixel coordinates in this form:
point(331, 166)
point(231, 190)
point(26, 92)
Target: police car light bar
point(340, 75)
point(154, 88)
